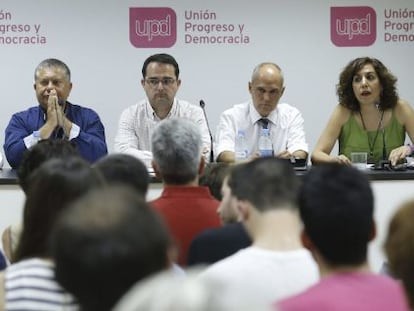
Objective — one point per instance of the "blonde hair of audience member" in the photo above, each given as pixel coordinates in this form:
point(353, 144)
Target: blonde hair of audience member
point(366, 92)
point(399, 247)
point(189, 293)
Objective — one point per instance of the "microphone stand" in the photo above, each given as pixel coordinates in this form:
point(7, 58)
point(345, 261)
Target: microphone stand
point(202, 105)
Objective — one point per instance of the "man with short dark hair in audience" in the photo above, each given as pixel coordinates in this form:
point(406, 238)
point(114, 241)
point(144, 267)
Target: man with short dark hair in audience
point(106, 242)
point(276, 265)
point(212, 245)
point(124, 169)
point(337, 208)
point(186, 207)
point(54, 117)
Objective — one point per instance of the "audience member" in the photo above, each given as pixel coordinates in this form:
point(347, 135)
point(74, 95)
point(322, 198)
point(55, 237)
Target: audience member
point(213, 177)
point(276, 265)
point(263, 111)
point(31, 160)
point(212, 245)
point(370, 117)
point(38, 154)
point(54, 117)
point(190, 293)
point(160, 81)
point(399, 247)
point(337, 208)
point(30, 283)
point(118, 239)
point(186, 207)
point(124, 169)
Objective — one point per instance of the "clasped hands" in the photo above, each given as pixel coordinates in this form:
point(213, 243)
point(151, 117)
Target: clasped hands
point(55, 117)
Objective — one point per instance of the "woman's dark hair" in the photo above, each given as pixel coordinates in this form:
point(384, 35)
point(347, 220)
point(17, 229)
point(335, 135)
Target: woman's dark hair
point(54, 185)
point(389, 95)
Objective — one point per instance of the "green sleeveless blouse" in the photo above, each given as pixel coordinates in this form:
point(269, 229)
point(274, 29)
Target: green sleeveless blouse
point(353, 138)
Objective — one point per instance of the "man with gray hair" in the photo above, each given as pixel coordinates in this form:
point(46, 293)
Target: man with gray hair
point(283, 122)
point(186, 207)
point(54, 118)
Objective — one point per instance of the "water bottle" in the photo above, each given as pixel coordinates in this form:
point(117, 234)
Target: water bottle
point(265, 143)
point(240, 148)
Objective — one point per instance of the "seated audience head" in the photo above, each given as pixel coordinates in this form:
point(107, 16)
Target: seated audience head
point(104, 243)
point(55, 184)
point(39, 153)
point(124, 169)
point(213, 176)
point(176, 148)
point(227, 209)
point(399, 247)
point(266, 183)
point(336, 207)
point(345, 88)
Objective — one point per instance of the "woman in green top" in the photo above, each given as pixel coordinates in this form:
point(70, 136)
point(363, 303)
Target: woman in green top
point(370, 117)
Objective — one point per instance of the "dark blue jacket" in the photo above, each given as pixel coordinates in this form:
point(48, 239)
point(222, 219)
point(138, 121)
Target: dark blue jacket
point(90, 142)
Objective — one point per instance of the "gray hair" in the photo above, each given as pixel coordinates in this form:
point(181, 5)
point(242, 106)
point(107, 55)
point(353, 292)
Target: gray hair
point(176, 148)
point(53, 62)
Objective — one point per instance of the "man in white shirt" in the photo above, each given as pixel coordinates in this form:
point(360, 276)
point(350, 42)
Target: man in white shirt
point(276, 265)
point(160, 80)
point(284, 122)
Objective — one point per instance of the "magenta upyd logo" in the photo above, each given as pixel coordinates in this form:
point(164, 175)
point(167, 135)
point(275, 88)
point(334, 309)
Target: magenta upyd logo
point(353, 26)
point(152, 27)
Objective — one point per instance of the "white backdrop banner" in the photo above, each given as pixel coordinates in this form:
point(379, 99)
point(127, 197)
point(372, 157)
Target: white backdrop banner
point(217, 44)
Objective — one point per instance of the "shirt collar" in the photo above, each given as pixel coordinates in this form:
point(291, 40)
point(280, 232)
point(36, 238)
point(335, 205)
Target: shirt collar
point(151, 113)
point(255, 116)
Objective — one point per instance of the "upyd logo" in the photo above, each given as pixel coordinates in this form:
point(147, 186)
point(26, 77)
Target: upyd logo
point(353, 26)
point(152, 27)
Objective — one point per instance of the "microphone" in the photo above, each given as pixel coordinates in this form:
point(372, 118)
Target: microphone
point(202, 105)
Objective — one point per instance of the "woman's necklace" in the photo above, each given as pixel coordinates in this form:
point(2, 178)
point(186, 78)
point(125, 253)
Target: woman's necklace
point(371, 144)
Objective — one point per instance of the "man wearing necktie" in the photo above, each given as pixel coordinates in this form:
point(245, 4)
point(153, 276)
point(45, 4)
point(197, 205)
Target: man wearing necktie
point(285, 122)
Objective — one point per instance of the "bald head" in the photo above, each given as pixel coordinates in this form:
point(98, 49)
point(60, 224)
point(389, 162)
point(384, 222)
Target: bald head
point(267, 69)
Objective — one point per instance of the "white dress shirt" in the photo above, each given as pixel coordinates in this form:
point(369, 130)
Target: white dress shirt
point(285, 124)
point(138, 122)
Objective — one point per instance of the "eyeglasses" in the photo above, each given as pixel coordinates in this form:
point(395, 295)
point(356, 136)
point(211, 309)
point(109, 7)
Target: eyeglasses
point(154, 82)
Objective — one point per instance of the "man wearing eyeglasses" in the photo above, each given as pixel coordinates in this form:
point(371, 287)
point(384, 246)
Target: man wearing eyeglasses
point(160, 80)
point(284, 122)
